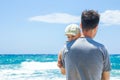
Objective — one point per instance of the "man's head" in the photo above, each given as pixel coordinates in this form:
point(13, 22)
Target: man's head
point(72, 32)
point(89, 22)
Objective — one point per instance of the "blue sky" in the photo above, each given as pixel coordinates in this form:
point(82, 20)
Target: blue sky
point(37, 26)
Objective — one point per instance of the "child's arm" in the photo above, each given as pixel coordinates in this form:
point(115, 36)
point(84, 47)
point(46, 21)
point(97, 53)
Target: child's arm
point(62, 70)
point(59, 63)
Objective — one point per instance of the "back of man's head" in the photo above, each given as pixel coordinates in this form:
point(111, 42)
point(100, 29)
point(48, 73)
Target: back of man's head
point(89, 19)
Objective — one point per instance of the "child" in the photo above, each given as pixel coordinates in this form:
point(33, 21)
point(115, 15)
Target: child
point(72, 32)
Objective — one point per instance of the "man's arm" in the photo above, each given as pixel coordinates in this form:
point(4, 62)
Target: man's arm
point(106, 75)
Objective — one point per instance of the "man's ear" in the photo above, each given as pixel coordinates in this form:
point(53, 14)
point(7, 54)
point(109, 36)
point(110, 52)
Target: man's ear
point(80, 25)
point(96, 28)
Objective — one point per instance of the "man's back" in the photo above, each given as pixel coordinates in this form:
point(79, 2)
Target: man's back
point(86, 60)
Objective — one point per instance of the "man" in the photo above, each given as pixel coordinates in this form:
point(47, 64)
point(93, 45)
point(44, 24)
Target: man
point(86, 59)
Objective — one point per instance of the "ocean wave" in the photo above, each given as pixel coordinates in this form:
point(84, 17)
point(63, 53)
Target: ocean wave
point(33, 65)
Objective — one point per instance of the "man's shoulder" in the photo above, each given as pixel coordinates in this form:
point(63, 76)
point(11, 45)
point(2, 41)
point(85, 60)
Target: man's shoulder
point(88, 41)
point(95, 42)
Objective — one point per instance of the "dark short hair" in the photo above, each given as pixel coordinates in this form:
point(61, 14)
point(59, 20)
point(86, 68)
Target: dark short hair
point(89, 19)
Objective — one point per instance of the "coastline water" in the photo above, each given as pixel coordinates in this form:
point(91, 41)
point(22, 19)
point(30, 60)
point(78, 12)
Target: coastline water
point(40, 67)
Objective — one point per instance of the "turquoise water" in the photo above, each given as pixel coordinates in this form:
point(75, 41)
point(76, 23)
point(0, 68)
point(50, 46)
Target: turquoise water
point(40, 67)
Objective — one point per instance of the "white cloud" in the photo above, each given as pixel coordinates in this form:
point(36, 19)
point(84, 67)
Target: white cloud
point(111, 17)
point(56, 18)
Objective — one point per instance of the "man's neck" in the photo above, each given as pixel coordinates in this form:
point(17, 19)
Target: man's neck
point(88, 33)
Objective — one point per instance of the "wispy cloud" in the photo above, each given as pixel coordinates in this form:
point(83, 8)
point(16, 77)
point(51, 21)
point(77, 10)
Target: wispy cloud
point(56, 18)
point(110, 17)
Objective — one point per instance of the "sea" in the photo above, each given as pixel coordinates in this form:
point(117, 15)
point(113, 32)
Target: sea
point(41, 67)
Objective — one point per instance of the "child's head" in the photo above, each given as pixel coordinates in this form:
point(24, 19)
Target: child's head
point(72, 32)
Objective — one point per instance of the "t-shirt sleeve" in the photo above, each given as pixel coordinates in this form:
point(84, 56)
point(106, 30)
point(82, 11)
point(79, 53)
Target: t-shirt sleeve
point(106, 61)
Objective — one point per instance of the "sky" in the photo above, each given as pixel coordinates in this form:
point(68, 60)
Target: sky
point(37, 26)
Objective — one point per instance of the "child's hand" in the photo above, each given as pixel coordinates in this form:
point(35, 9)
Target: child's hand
point(63, 70)
point(59, 64)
